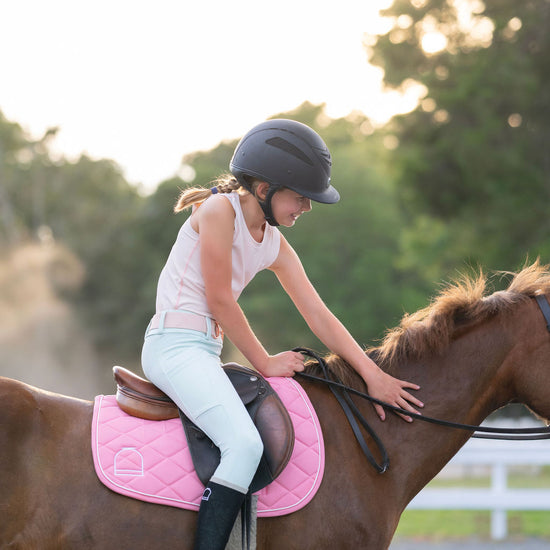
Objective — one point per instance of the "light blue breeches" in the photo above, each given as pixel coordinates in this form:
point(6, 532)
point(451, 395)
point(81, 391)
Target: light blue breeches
point(185, 364)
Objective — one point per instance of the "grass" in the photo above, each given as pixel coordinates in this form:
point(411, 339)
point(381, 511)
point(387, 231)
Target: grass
point(462, 524)
point(458, 524)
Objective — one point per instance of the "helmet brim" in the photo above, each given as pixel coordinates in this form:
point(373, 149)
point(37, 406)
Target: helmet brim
point(328, 196)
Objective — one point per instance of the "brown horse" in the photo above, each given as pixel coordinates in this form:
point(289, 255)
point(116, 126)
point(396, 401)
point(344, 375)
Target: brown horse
point(470, 353)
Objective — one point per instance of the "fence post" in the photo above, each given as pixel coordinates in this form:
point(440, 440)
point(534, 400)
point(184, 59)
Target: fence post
point(498, 498)
point(499, 483)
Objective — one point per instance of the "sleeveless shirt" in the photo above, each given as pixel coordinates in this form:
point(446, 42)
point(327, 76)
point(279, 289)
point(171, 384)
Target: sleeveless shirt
point(181, 282)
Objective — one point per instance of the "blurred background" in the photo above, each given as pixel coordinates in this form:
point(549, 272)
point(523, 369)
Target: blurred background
point(437, 114)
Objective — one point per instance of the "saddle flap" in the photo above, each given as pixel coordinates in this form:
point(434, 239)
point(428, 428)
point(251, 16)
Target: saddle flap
point(246, 382)
point(277, 432)
point(271, 419)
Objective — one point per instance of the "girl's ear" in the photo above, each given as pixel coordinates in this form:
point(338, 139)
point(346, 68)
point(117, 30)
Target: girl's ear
point(261, 190)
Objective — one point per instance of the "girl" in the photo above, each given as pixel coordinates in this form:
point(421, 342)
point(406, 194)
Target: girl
point(278, 168)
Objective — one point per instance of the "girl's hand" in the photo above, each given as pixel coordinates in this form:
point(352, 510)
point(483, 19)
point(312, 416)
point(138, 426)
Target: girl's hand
point(286, 363)
point(391, 390)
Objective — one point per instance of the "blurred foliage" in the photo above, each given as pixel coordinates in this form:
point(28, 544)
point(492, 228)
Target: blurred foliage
point(461, 180)
point(473, 157)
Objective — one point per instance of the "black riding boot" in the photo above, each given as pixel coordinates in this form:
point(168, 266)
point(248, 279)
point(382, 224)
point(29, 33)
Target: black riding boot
point(218, 511)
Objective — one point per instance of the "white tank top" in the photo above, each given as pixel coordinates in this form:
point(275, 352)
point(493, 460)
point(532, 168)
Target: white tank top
point(181, 283)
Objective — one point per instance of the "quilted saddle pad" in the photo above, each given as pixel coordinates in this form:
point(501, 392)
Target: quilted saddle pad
point(149, 460)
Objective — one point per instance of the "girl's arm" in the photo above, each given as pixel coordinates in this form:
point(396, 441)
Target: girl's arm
point(215, 221)
point(335, 336)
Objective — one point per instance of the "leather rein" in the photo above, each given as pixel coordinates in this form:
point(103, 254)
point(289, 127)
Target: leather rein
point(342, 394)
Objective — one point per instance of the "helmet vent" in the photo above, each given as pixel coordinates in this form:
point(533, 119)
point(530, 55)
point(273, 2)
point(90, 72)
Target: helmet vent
point(287, 147)
point(325, 154)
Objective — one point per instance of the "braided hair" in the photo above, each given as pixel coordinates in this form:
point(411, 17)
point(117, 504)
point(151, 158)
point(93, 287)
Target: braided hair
point(226, 183)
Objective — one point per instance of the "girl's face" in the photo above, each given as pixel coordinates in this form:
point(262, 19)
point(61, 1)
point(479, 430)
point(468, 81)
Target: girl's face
point(288, 205)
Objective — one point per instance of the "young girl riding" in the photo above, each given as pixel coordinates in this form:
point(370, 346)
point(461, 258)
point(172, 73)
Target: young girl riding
point(278, 168)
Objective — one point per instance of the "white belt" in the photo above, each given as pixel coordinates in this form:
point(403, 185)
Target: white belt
point(186, 320)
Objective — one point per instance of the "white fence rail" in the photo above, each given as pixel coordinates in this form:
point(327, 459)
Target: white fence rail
point(498, 456)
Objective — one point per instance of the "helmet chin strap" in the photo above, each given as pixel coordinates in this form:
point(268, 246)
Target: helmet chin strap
point(266, 206)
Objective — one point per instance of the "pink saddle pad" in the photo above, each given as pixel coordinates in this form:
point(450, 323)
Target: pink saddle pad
point(149, 460)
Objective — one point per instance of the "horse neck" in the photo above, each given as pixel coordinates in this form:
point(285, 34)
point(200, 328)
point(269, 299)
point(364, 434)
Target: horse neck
point(467, 382)
point(464, 384)
point(474, 376)
point(487, 366)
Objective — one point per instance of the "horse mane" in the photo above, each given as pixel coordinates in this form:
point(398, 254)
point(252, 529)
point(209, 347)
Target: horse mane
point(460, 304)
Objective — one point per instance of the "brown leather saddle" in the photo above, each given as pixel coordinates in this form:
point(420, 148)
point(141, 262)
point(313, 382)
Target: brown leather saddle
point(139, 397)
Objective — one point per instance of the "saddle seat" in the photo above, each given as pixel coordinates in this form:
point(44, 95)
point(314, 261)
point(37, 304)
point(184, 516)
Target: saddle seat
point(139, 397)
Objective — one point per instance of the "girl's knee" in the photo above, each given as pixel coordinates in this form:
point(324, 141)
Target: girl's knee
point(251, 445)
point(247, 448)
point(240, 459)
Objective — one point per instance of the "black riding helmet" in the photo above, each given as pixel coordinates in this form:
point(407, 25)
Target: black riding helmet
point(284, 153)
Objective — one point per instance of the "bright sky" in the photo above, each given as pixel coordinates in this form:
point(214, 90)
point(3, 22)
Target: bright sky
point(145, 82)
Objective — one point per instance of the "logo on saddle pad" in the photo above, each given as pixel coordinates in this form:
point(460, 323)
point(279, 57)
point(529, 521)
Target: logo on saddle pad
point(150, 459)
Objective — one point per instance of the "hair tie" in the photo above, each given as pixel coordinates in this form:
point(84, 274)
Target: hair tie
point(214, 190)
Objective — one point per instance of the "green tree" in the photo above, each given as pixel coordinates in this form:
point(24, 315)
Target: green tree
point(89, 207)
point(22, 192)
point(473, 157)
